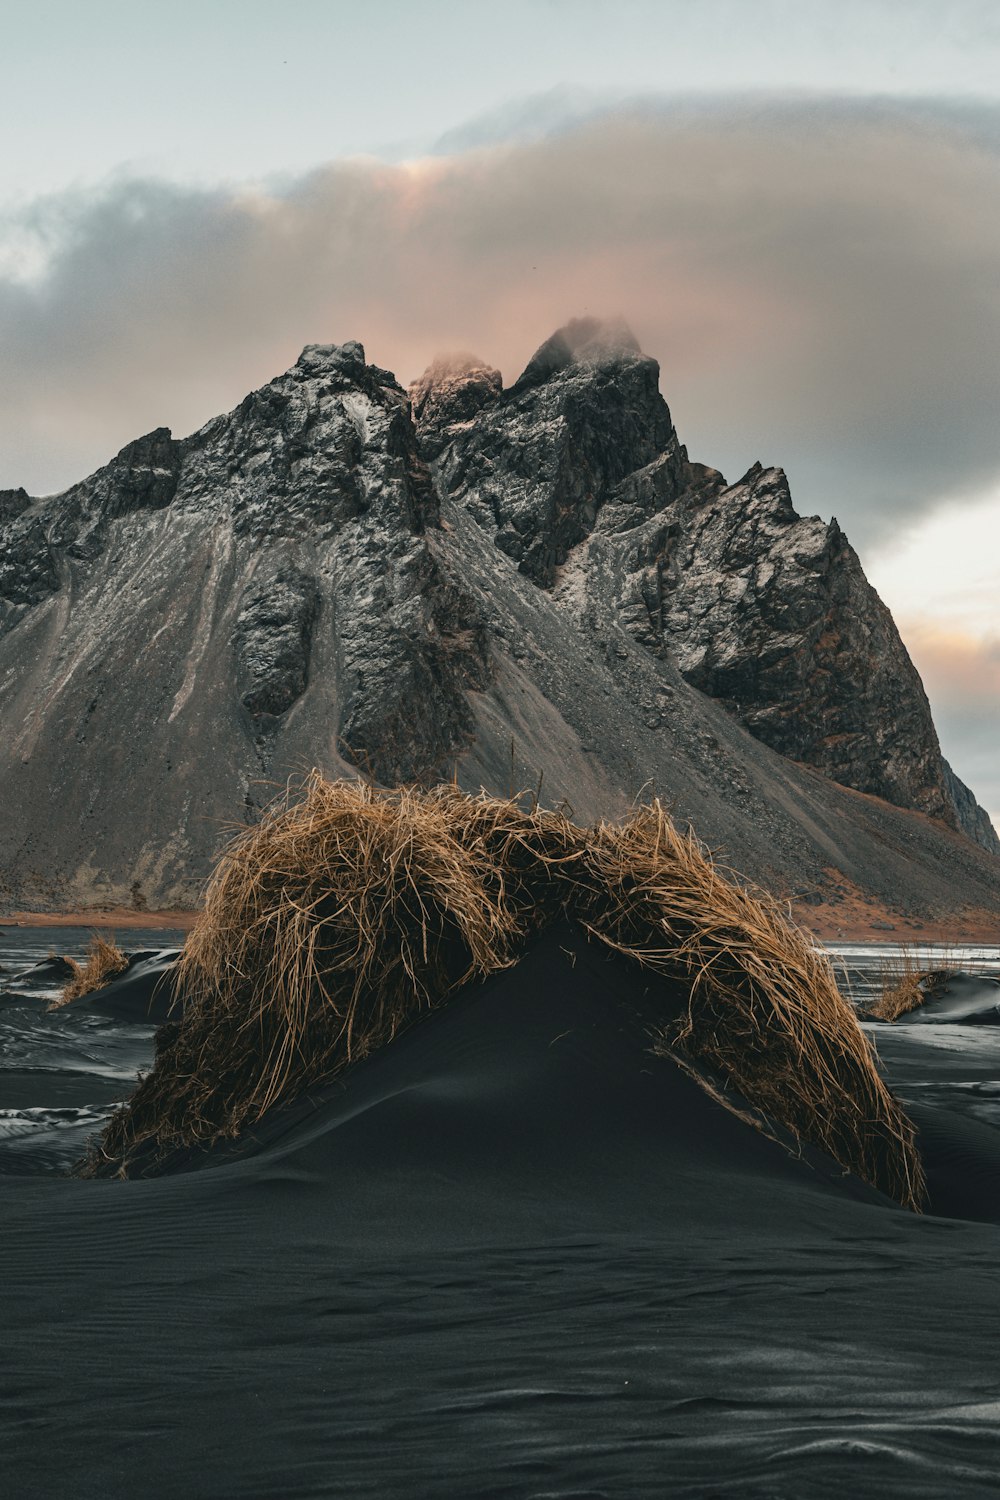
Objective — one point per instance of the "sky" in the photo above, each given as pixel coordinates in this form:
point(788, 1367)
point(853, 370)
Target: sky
point(795, 203)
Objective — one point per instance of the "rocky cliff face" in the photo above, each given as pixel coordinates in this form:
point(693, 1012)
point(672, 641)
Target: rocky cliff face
point(772, 615)
point(577, 474)
point(311, 497)
point(501, 582)
point(535, 464)
point(973, 819)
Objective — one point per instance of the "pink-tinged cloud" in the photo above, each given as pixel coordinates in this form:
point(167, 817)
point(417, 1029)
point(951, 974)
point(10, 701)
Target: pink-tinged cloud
point(820, 291)
point(959, 667)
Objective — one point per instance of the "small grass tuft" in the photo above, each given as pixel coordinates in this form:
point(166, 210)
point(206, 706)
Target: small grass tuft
point(905, 985)
point(104, 961)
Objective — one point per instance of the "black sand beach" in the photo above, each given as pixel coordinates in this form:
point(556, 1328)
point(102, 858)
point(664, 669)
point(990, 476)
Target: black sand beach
point(513, 1254)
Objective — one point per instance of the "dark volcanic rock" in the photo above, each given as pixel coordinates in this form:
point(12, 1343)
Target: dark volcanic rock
point(245, 602)
point(143, 477)
point(28, 567)
point(972, 819)
point(273, 639)
point(39, 539)
point(321, 447)
point(536, 463)
point(772, 614)
point(12, 503)
point(766, 611)
point(451, 391)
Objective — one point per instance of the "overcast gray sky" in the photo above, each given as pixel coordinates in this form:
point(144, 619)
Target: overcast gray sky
point(796, 204)
point(228, 89)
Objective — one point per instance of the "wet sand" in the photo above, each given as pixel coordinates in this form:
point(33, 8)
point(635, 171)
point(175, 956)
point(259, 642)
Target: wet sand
point(513, 1254)
point(852, 919)
point(104, 919)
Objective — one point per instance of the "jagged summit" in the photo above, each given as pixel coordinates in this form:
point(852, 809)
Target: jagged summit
point(771, 614)
point(582, 341)
point(341, 573)
point(456, 387)
point(578, 469)
point(452, 364)
point(12, 503)
point(344, 362)
point(453, 388)
point(536, 463)
point(317, 359)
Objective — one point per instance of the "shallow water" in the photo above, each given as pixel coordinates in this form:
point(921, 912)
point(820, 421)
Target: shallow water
point(63, 1072)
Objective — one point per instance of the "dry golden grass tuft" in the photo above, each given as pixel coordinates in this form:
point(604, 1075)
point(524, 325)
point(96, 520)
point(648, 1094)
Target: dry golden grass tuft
point(905, 985)
point(104, 961)
point(334, 921)
point(347, 912)
point(764, 1011)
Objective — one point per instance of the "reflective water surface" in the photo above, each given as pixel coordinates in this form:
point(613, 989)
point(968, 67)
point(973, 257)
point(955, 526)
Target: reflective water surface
point(62, 1072)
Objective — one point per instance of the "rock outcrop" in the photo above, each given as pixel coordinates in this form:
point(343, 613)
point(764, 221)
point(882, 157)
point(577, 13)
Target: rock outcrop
point(772, 614)
point(973, 819)
point(273, 640)
point(536, 463)
point(577, 473)
point(500, 583)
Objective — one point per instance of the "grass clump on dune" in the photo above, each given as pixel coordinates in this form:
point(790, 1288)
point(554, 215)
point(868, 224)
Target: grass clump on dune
point(764, 1011)
point(105, 960)
point(330, 924)
point(349, 911)
point(905, 986)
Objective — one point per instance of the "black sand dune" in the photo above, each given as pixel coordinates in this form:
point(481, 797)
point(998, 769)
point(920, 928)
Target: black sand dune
point(943, 1060)
point(513, 1254)
point(963, 999)
point(143, 992)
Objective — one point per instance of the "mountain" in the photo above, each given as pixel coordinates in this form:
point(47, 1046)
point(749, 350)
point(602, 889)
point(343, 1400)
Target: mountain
point(503, 584)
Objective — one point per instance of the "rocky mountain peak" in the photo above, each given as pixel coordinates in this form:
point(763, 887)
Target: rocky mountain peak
point(143, 475)
point(577, 474)
point(581, 341)
point(453, 389)
point(338, 366)
point(771, 613)
point(292, 581)
point(767, 516)
point(321, 359)
point(536, 463)
point(767, 485)
point(12, 503)
point(452, 368)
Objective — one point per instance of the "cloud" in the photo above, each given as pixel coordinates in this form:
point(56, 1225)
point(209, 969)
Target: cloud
point(818, 282)
point(942, 569)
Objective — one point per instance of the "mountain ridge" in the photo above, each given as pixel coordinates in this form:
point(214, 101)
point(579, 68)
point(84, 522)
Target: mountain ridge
point(806, 655)
point(464, 579)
